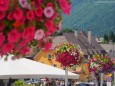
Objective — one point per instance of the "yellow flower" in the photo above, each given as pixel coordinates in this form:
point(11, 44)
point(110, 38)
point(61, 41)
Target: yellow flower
point(109, 74)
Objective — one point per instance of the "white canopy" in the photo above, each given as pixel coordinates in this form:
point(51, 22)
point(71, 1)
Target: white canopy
point(25, 68)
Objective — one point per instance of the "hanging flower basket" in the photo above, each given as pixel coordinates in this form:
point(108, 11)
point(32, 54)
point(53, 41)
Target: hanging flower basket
point(101, 64)
point(68, 54)
point(25, 24)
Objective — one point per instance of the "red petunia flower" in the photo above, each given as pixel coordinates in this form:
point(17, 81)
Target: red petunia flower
point(4, 5)
point(22, 43)
point(30, 15)
point(2, 39)
point(49, 25)
point(7, 48)
point(24, 51)
point(10, 16)
point(65, 6)
point(66, 59)
point(47, 46)
point(38, 11)
point(49, 4)
point(1, 26)
point(28, 33)
point(16, 23)
point(2, 15)
point(18, 14)
point(13, 36)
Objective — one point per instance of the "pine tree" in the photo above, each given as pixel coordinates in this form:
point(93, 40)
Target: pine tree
point(111, 35)
point(106, 38)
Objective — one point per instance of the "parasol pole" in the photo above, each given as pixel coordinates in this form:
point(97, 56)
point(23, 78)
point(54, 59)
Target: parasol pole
point(114, 78)
point(5, 81)
point(66, 76)
point(101, 79)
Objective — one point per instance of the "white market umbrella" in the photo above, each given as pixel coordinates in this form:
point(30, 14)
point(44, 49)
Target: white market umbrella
point(25, 68)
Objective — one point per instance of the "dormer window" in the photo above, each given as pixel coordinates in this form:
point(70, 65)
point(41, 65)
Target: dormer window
point(55, 65)
point(92, 45)
point(49, 56)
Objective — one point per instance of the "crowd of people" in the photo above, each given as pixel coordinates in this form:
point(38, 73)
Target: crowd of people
point(61, 82)
point(54, 82)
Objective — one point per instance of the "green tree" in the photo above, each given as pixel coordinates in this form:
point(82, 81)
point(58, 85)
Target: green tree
point(114, 38)
point(19, 83)
point(111, 35)
point(66, 30)
point(106, 38)
point(57, 34)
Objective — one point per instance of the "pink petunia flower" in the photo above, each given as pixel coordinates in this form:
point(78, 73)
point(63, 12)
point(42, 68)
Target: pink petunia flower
point(1, 26)
point(39, 34)
point(30, 15)
point(38, 12)
point(18, 14)
point(28, 6)
point(13, 36)
point(23, 3)
point(48, 12)
point(2, 15)
point(2, 39)
point(65, 6)
point(7, 48)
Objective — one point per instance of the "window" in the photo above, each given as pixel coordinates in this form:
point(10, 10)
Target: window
point(49, 56)
point(83, 67)
point(55, 65)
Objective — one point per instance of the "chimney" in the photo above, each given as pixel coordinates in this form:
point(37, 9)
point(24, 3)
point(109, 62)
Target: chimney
point(76, 33)
point(89, 36)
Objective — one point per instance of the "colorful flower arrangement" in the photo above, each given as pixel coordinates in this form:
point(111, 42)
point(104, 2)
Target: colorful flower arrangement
point(68, 54)
point(101, 64)
point(28, 23)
